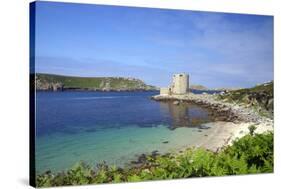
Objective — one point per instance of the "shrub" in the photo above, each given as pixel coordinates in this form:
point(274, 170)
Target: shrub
point(250, 154)
point(252, 129)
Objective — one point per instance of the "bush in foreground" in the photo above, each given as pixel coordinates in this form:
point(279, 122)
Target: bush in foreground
point(248, 155)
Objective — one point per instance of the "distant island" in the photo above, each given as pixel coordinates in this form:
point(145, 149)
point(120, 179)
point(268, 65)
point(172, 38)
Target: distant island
point(203, 88)
point(198, 87)
point(52, 82)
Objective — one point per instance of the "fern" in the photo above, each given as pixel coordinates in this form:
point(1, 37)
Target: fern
point(250, 154)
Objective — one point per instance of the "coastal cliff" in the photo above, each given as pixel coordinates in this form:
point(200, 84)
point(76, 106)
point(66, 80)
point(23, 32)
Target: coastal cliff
point(50, 82)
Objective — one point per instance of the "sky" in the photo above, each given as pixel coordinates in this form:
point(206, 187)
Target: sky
point(215, 49)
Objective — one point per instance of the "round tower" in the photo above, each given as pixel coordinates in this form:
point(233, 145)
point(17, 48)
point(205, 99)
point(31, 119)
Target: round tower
point(180, 83)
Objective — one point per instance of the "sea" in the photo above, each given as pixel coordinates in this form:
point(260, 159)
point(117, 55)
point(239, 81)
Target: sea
point(111, 127)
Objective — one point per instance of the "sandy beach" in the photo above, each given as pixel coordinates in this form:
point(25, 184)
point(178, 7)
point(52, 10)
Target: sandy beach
point(224, 133)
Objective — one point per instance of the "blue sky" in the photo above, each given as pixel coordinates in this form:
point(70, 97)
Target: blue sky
point(216, 49)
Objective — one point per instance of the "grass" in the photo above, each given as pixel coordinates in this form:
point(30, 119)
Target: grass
point(257, 97)
point(70, 82)
point(237, 95)
point(251, 154)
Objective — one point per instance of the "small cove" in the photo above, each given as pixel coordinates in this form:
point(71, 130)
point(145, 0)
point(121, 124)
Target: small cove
point(114, 127)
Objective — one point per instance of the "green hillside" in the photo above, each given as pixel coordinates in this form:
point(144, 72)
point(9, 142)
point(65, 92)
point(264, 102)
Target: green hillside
point(59, 82)
point(260, 97)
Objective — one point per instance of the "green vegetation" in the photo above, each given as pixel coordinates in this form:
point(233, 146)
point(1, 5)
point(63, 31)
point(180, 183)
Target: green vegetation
point(250, 154)
point(56, 82)
point(252, 129)
point(259, 97)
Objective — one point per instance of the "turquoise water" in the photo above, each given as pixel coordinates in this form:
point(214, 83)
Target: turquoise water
point(112, 127)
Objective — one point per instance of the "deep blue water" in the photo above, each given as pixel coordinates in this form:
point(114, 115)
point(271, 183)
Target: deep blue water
point(72, 112)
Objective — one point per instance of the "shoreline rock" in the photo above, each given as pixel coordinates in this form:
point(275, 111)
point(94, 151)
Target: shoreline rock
point(233, 112)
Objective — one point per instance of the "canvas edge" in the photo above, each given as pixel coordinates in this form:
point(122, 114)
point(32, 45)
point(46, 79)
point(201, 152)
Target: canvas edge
point(32, 168)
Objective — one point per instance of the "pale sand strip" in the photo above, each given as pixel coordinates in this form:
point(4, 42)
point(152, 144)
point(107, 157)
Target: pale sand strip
point(224, 133)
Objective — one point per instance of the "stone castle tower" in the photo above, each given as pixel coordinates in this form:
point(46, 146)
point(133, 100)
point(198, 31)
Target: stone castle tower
point(180, 83)
point(179, 86)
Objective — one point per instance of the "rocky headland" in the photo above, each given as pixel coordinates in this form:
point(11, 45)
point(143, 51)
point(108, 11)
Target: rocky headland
point(51, 82)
